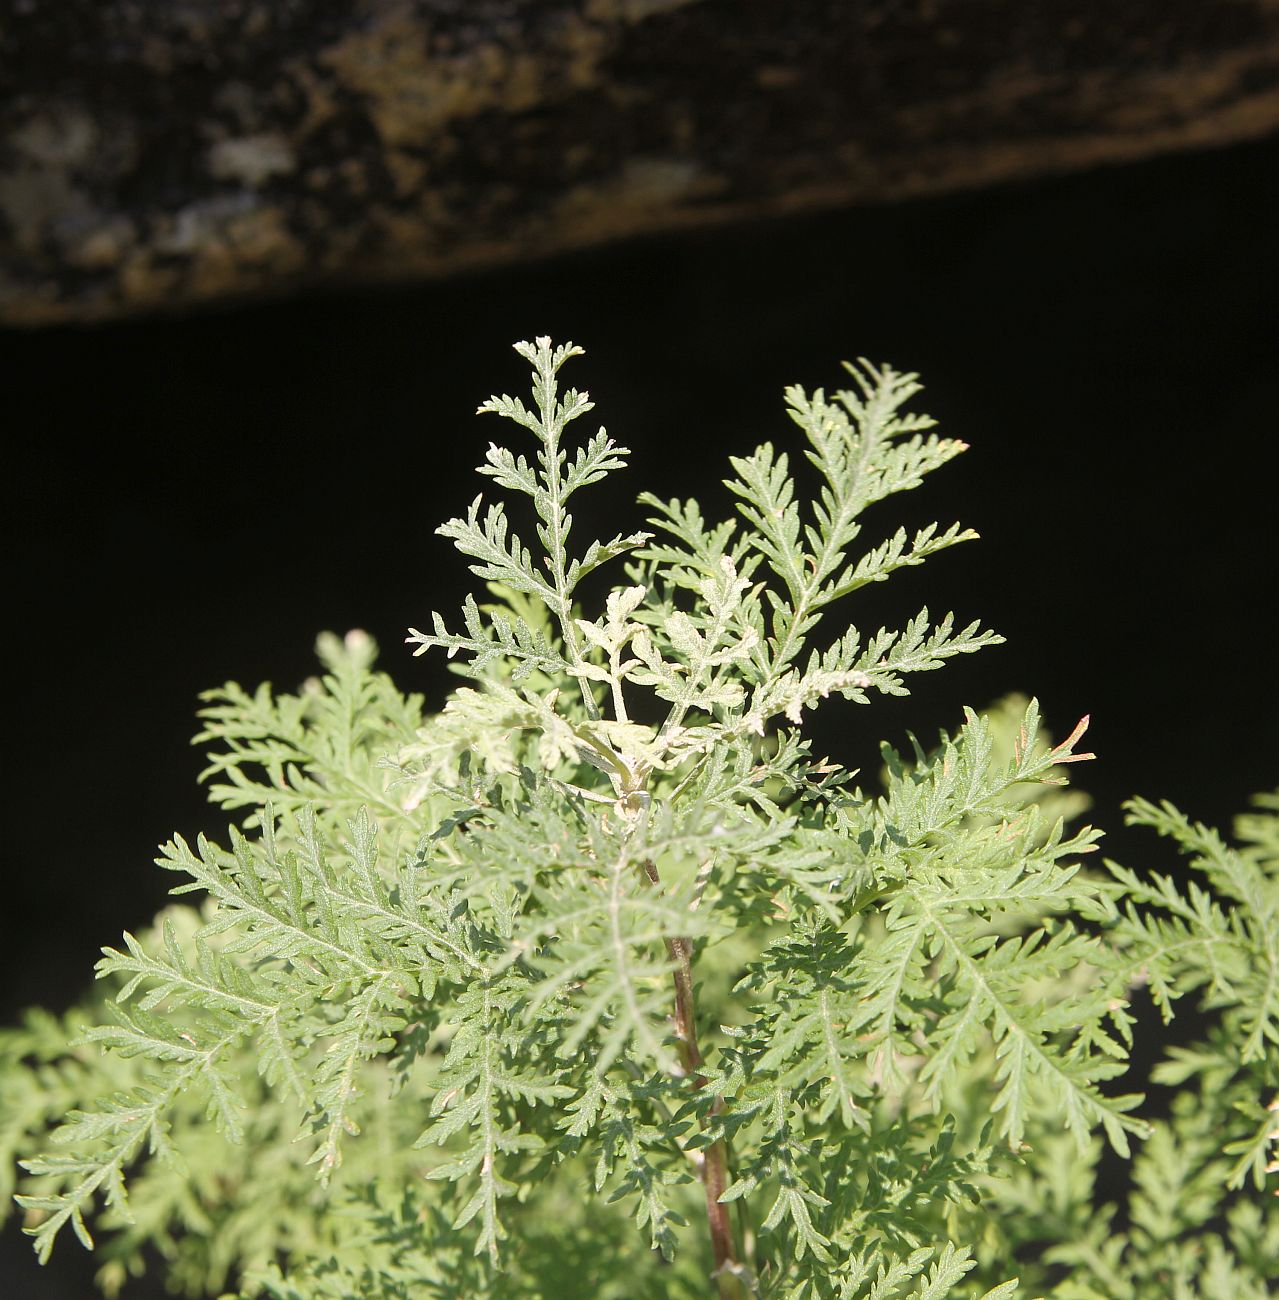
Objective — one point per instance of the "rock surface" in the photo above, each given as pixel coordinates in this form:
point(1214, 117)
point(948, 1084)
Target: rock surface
point(161, 156)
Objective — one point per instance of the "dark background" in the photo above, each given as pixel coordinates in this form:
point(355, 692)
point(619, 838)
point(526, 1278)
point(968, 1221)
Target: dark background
point(191, 500)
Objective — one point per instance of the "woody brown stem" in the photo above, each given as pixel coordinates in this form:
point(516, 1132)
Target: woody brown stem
point(714, 1168)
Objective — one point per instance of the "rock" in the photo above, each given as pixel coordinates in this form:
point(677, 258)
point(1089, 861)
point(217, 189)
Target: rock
point(161, 156)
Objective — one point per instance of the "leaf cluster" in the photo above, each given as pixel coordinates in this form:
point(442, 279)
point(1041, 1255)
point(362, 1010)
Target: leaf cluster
point(601, 940)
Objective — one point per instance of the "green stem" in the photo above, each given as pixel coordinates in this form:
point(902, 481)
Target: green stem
point(554, 517)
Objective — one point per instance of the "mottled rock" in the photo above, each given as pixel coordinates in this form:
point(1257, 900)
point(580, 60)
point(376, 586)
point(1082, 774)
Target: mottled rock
point(159, 156)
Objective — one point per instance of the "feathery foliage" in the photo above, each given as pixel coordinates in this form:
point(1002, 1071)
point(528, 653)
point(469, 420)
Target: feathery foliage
point(596, 982)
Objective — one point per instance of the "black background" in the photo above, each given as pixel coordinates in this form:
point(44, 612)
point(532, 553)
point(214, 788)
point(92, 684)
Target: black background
point(191, 500)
